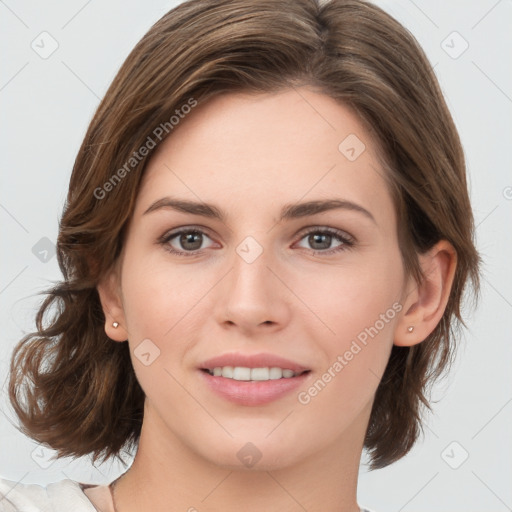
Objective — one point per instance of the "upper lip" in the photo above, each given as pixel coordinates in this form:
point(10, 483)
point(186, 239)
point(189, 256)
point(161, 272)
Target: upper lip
point(263, 360)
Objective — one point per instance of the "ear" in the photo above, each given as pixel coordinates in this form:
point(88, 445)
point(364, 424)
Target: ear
point(424, 304)
point(109, 290)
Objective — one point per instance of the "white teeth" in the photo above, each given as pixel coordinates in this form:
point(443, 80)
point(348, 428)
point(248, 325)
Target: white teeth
point(275, 373)
point(241, 373)
point(227, 371)
point(260, 374)
point(248, 374)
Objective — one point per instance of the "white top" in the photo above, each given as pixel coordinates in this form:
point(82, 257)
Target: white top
point(63, 496)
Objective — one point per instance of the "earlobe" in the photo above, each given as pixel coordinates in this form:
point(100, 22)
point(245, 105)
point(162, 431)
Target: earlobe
point(424, 304)
point(110, 298)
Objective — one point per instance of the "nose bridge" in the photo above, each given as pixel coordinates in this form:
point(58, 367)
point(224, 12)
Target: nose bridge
point(250, 275)
point(252, 296)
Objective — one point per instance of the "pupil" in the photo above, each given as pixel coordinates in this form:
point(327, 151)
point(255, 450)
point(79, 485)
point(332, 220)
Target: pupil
point(323, 240)
point(191, 238)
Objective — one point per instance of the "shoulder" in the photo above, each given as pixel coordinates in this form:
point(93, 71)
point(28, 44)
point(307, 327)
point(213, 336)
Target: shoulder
point(20, 497)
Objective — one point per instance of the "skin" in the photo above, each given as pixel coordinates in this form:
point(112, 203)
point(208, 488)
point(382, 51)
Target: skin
point(249, 155)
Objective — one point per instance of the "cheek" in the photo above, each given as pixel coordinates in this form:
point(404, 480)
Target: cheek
point(157, 295)
point(358, 308)
point(348, 299)
point(158, 303)
point(355, 358)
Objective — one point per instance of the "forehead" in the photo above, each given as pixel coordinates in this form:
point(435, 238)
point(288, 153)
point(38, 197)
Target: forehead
point(268, 149)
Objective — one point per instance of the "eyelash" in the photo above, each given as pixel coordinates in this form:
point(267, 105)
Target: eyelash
point(347, 242)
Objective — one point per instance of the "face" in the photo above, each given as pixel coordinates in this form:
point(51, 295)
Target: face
point(259, 272)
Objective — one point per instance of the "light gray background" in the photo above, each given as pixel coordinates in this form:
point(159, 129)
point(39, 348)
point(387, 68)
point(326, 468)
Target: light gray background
point(46, 105)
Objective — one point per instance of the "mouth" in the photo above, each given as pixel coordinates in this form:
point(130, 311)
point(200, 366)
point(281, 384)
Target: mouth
point(262, 366)
point(253, 392)
point(252, 379)
point(247, 374)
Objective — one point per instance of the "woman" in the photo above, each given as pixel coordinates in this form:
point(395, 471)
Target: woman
point(265, 245)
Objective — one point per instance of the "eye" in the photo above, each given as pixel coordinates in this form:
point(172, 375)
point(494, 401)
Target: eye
point(322, 240)
point(190, 241)
point(185, 242)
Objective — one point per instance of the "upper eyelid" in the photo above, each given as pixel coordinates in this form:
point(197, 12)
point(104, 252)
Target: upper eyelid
point(206, 230)
point(328, 229)
point(185, 229)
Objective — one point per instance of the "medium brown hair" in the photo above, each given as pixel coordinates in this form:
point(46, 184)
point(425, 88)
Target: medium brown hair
point(75, 389)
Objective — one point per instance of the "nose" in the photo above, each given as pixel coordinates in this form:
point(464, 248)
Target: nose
point(252, 297)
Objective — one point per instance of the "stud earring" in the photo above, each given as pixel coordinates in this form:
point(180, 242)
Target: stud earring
point(410, 328)
point(115, 325)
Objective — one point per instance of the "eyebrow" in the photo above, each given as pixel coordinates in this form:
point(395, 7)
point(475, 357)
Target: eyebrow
point(289, 211)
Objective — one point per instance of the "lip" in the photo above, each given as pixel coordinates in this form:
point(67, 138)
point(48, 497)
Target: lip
point(262, 360)
point(252, 393)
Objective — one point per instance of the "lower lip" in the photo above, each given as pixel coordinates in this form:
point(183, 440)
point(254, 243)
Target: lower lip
point(253, 392)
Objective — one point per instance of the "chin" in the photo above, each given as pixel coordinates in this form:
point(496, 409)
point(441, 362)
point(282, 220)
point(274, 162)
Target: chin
point(253, 453)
